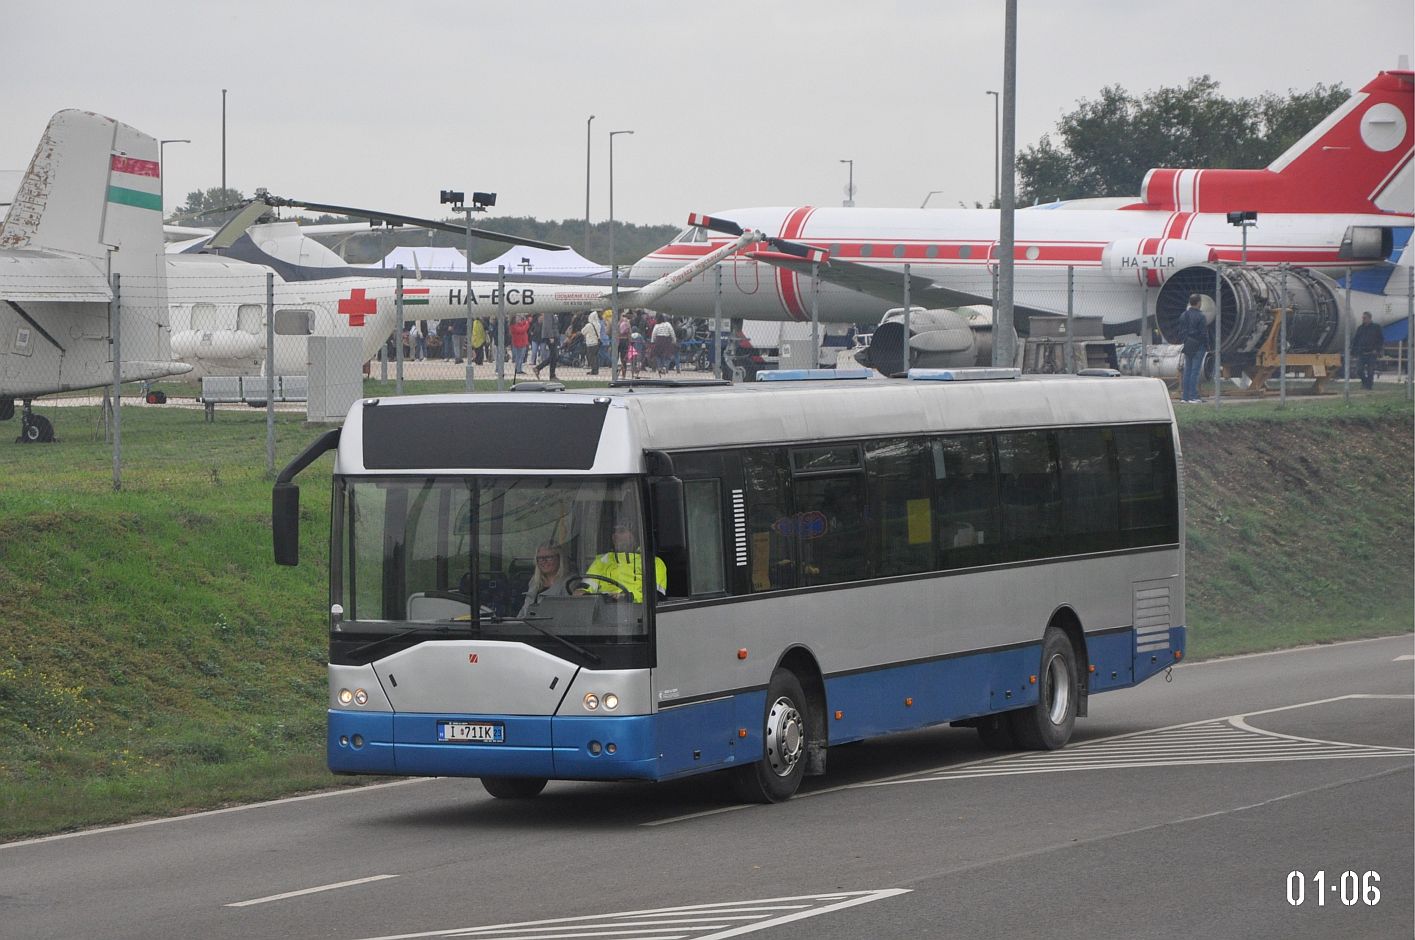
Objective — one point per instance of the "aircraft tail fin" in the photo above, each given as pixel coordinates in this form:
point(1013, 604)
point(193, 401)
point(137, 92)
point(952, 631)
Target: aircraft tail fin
point(1357, 160)
point(94, 189)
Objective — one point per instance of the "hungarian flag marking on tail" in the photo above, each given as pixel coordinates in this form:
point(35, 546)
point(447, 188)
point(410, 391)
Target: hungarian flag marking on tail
point(416, 296)
point(135, 182)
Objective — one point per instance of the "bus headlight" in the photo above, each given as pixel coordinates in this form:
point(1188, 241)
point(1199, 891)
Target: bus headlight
point(611, 701)
point(345, 696)
point(591, 701)
point(360, 697)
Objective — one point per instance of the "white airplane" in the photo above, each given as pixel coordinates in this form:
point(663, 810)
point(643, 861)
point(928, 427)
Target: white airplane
point(87, 209)
point(1339, 198)
point(217, 296)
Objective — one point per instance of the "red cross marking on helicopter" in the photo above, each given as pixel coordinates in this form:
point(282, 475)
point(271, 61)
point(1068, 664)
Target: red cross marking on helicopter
point(357, 306)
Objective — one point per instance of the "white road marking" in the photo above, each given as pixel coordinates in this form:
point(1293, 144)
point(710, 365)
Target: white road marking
point(1258, 751)
point(295, 894)
point(1406, 658)
point(347, 791)
point(1230, 740)
point(692, 922)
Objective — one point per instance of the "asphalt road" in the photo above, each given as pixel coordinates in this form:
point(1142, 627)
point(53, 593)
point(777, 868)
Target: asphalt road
point(1180, 810)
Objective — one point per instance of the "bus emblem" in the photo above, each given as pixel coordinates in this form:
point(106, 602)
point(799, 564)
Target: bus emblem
point(472, 658)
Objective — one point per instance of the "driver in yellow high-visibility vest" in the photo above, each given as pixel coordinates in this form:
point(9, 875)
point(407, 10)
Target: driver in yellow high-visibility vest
point(623, 568)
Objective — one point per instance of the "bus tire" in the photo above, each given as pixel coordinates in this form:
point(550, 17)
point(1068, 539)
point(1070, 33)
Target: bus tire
point(1047, 725)
point(777, 775)
point(513, 788)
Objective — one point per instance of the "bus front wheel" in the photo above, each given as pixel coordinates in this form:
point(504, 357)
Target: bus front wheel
point(777, 775)
point(513, 788)
point(1047, 725)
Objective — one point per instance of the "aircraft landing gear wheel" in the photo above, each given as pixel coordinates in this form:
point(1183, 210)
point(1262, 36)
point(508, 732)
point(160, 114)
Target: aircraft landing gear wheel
point(513, 788)
point(1047, 725)
point(776, 777)
point(36, 430)
point(7, 409)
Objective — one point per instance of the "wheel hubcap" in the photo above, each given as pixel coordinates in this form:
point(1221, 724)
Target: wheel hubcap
point(1058, 690)
point(785, 736)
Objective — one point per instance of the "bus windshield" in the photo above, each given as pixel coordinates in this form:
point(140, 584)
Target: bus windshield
point(543, 560)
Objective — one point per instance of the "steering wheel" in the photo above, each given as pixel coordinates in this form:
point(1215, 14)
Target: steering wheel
point(583, 581)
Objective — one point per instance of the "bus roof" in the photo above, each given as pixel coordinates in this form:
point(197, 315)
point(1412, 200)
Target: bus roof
point(602, 430)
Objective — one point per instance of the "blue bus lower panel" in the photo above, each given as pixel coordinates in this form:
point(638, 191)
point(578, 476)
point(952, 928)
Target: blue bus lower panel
point(564, 748)
point(708, 735)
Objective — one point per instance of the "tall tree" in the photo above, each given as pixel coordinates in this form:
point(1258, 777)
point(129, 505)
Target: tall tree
point(1106, 145)
point(209, 207)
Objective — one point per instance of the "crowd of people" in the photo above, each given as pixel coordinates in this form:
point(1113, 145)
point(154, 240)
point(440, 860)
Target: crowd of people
point(647, 342)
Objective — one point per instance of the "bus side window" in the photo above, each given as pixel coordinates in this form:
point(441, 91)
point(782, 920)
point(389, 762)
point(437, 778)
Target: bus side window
point(1145, 455)
point(830, 524)
point(770, 528)
point(706, 571)
point(968, 530)
point(1030, 495)
point(898, 474)
point(1089, 491)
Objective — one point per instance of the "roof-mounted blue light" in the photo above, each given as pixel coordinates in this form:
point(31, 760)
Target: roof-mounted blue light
point(812, 375)
point(984, 374)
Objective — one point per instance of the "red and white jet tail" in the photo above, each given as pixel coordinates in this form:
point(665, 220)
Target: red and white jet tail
point(1358, 160)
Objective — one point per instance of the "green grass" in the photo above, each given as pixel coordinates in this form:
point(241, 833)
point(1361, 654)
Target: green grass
point(153, 659)
point(1299, 521)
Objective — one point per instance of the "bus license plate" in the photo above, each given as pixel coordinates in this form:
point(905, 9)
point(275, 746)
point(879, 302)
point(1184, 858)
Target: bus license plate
point(470, 732)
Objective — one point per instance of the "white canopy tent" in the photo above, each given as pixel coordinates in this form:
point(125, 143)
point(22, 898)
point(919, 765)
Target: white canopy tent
point(424, 258)
point(522, 260)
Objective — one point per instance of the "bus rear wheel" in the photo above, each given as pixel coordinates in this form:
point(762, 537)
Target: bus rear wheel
point(513, 788)
point(777, 775)
point(1047, 725)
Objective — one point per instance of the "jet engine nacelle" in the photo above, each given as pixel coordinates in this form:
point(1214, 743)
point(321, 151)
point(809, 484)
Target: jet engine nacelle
point(1152, 261)
point(940, 339)
point(1250, 296)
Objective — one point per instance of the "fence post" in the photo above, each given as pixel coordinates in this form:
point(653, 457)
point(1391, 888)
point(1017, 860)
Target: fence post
point(115, 320)
point(717, 366)
point(1282, 341)
point(1346, 351)
point(907, 302)
point(1070, 317)
point(270, 373)
point(398, 330)
point(1218, 334)
point(501, 328)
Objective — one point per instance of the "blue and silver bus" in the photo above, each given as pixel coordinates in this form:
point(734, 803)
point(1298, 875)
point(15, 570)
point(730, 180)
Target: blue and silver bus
point(814, 563)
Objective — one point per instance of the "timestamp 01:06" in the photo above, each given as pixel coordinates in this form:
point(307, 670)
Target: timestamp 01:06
point(1348, 886)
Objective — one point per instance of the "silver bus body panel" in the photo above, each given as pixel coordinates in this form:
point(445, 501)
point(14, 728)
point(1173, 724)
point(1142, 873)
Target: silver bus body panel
point(929, 617)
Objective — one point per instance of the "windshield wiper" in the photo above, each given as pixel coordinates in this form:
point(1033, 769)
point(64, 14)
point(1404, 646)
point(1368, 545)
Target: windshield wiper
point(394, 637)
point(530, 622)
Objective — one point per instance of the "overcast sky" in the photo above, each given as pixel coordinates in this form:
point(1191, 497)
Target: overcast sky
point(733, 103)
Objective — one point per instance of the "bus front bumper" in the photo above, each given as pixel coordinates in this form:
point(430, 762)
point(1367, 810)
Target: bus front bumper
point(595, 748)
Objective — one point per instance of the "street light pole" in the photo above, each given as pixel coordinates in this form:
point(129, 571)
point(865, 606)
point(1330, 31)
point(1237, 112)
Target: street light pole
point(613, 268)
point(850, 186)
point(223, 139)
point(162, 167)
point(932, 193)
point(996, 188)
point(587, 185)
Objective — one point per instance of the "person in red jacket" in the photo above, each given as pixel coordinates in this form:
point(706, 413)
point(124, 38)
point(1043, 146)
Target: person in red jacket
point(520, 342)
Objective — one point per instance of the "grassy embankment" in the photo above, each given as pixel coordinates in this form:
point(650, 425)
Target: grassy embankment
point(154, 660)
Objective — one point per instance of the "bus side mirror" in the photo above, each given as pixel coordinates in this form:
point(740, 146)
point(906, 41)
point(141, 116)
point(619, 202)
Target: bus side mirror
point(285, 523)
point(670, 526)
